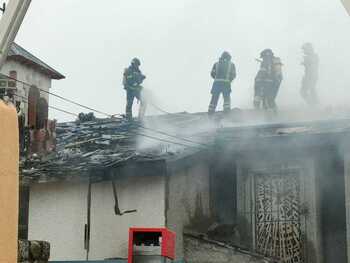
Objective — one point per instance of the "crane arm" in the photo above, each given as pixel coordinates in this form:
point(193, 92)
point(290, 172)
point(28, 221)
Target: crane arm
point(10, 24)
point(346, 4)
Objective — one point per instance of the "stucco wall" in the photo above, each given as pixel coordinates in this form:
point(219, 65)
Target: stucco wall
point(188, 200)
point(57, 214)
point(109, 233)
point(28, 75)
point(58, 211)
point(8, 183)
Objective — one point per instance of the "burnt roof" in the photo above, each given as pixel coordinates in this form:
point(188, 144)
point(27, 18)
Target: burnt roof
point(85, 148)
point(18, 53)
point(285, 137)
point(102, 144)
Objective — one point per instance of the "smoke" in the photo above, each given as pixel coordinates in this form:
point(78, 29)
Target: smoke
point(178, 42)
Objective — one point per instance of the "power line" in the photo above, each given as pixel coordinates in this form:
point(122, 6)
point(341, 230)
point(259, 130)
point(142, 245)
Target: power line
point(24, 100)
point(64, 111)
point(167, 141)
point(140, 134)
point(172, 136)
point(76, 103)
point(159, 109)
point(136, 133)
point(167, 134)
point(103, 113)
point(59, 96)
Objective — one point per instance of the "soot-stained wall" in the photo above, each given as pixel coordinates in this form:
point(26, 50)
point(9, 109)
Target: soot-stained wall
point(187, 203)
point(332, 201)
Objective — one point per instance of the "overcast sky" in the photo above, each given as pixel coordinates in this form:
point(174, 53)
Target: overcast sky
point(91, 42)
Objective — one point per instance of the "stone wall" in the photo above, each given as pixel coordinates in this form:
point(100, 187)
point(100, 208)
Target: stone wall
point(33, 251)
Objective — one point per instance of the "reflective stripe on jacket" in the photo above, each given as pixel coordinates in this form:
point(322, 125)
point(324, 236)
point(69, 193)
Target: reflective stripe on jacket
point(224, 71)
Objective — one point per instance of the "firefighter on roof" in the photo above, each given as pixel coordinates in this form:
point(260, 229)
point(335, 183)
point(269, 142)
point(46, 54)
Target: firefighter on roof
point(132, 81)
point(310, 63)
point(223, 73)
point(267, 81)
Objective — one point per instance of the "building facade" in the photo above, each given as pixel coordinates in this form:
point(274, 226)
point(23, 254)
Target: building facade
point(264, 193)
point(290, 190)
point(25, 80)
point(35, 80)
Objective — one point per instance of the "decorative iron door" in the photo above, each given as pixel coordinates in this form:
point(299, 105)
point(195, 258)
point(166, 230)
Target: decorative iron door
point(277, 216)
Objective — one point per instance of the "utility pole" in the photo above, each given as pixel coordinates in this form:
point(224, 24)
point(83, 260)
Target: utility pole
point(10, 23)
point(346, 4)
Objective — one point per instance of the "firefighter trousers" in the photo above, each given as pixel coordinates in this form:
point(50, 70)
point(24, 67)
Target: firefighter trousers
point(215, 95)
point(131, 94)
point(308, 90)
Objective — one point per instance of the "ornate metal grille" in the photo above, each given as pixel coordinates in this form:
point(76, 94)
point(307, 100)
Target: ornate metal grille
point(277, 225)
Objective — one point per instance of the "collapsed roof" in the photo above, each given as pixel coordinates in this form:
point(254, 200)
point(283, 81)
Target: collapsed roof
point(88, 147)
point(85, 148)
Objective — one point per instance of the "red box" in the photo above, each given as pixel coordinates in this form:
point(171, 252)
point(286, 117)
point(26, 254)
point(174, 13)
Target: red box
point(151, 235)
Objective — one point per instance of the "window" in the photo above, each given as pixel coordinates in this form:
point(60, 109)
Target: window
point(42, 113)
point(33, 99)
point(13, 75)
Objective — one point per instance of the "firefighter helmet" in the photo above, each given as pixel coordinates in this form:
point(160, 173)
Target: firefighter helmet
point(266, 53)
point(307, 47)
point(226, 55)
point(136, 62)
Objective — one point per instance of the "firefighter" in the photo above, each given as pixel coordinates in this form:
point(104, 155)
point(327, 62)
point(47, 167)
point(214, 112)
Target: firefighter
point(267, 81)
point(277, 80)
point(132, 81)
point(310, 63)
point(223, 73)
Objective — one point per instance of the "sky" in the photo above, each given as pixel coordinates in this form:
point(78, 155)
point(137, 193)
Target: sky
point(91, 42)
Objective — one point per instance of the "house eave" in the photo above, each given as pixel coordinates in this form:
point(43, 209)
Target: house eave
point(139, 168)
point(50, 73)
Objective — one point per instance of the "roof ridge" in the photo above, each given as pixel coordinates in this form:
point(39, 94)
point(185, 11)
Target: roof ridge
point(18, 50)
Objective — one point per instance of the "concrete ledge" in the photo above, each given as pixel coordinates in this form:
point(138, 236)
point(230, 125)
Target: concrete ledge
point(199, 249)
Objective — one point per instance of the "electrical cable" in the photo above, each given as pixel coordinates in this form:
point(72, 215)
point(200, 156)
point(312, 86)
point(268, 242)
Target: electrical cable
point(140, 134)
point(173, 136)
point(58, 96)
point(103, 113)
point(24, 100)
point(167, 134)
point(159, 109)
point(168, 141)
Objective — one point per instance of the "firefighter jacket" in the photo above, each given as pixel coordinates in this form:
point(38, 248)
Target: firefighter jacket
point(310, 63)
point(270, 72)
point(223, 71)
point(132, 77)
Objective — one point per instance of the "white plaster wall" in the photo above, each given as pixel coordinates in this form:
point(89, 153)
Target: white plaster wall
point(28, 75)
point(109, 232)
point(57, 213)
